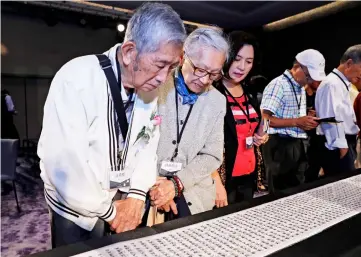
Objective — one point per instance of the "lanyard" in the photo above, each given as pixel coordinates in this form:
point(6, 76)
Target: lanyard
point(123, 154)
point(131, 90)
point(246, 113)
point(341, 80)
point(118, 70)
point(180, 134)
point(294, 93)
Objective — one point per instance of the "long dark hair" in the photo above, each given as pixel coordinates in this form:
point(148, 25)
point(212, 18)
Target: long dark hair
point(238, 39)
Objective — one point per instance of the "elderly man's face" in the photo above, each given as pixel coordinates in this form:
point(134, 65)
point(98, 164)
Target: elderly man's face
point(202, 67)
point(301, 75)
point(357, 83)
point(353, 71)
point(150, 70)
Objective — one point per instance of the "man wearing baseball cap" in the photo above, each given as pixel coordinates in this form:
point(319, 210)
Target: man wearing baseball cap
point(315, 63)
point(333, 101)
point(284, 105)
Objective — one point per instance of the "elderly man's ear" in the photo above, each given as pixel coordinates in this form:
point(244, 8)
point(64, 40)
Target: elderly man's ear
point(129, 52)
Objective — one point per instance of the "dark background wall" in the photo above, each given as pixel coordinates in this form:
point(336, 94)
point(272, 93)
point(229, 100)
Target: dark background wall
point(330, 35)
point(36, 51)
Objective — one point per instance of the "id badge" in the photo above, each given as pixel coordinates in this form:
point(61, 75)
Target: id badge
point(266, 123)
point(169, 168)
point(119, 179)
point(249, 142)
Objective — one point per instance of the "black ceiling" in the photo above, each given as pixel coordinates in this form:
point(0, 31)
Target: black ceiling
point(52, 16)
point(231, 14)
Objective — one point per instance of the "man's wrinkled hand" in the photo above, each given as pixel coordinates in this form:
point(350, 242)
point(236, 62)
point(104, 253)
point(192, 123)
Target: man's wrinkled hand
point(129, 215)
point(307, 122)
point(162, 192)
point(170, 206)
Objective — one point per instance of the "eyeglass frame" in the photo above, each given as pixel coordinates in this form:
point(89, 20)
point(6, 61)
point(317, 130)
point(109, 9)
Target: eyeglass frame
point(209, 74)
point(307, 74)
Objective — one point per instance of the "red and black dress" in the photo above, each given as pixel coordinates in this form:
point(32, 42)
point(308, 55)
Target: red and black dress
point(245, 126)
point(241, 121)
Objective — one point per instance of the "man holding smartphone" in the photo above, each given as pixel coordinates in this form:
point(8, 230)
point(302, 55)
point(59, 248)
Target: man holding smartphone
point(284, 104)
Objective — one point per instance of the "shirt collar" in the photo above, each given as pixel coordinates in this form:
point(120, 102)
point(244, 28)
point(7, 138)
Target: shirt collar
point(289, 75)
point(342, 76)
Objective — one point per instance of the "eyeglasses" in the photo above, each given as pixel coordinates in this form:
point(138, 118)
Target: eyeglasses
point(307, 75)
point(199, 72)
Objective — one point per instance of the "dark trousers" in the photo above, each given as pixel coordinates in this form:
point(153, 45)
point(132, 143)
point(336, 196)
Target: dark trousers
point(182, 207)
point(314, 157)
point(64, 231)
point(285, 162)
point(240, 188)
point(331, 162)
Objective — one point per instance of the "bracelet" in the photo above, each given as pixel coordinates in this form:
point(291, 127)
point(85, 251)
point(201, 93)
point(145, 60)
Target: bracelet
point(179, 184)
point(175, 186)
point(178, 187)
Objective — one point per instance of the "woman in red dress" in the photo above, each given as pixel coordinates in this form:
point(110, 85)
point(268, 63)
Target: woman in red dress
point(242, 130)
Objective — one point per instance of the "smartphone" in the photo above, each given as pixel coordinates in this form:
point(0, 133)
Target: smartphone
point(329, 120)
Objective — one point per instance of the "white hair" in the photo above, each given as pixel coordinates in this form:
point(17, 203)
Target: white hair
point(207, 37)
point(353, 53)
point(154, 24)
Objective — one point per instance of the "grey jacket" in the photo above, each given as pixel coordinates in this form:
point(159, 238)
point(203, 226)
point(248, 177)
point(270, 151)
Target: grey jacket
point(201, 146)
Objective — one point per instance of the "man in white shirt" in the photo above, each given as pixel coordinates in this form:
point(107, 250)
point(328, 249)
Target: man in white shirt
point(88, 152)
point(333, 100)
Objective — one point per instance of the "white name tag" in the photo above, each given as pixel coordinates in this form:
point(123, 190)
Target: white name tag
point(266, 125)
point(119, 179)
point(117, 176)
point(171, 166)
point(249, 142)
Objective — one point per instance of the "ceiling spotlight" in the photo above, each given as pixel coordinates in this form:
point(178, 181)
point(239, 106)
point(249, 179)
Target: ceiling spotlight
point(120, 27)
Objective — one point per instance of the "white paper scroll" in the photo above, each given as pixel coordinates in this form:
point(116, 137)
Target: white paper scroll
point(254, 232)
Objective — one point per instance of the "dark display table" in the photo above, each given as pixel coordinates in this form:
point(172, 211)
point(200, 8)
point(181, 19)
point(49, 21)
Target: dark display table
point(342, 239)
